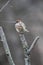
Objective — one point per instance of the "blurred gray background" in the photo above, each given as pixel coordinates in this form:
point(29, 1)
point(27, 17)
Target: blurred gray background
point(31, 12)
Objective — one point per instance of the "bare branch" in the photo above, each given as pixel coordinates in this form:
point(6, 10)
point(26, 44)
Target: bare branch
point(6, 48)
point(32, 45)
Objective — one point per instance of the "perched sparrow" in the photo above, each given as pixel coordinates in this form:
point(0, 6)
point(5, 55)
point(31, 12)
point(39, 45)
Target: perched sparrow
point(20, 26)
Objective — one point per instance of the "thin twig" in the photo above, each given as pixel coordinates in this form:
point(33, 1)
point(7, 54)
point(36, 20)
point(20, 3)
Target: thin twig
point(32, 45)
point(4, 5)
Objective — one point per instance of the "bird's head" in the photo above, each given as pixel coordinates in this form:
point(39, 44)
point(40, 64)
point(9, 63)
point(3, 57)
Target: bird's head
point(18, 20)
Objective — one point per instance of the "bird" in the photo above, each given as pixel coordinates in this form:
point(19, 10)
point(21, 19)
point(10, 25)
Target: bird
point(20, 26)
